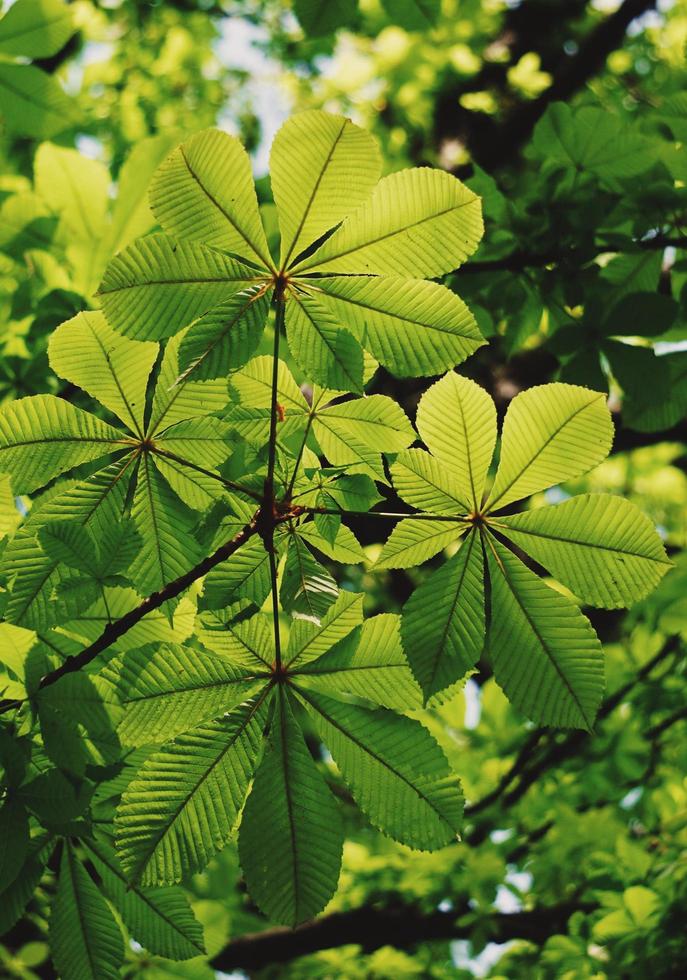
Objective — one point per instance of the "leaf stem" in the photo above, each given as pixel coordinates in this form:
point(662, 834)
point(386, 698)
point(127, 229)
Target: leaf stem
point(278, 324)
point(269, 512)
point(387, 514)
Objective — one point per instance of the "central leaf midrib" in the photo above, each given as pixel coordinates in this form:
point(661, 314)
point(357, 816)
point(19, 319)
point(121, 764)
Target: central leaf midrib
point(328, 259)
point(470, 541)
point(313, 193)
point(582, 544)
point(394, 316)
point(233, 222)
point(204, 686)
point(141, 894)
point(167, 826)
point(545, 647)
point(368, 751)
point(136, 425)
point(538, 453)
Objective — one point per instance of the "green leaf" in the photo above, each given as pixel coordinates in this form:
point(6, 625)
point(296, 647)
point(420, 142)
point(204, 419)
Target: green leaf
point(413, 542)
point(419, 222)
point(601, 547)
point(32, 103)
point(545, 654)
point(177, 400)
point(647, 314)
point(85, 939)
point(183, 803)
point(246, 641)
point(456, 419)
point(395, 770)
point(412, 327)
point(131, 214)
point(318, 19)
point(326, 351)
point(161, 919)
point(246, 574)
point(54, 799)
point(226, 337)
point(591, 138)
point(307, 589)
point(16, 896)
point(14, 841)
point(423, 482)
point(42, 436)
point(197, 490)
point(97, 502)
point(253, 383)
point(189, 454)
point(413, 15)
point(77, 189)
point(290, 839)
point(443, 621)
point(350, 452)
point(157, 286)
point(73, 596)
point(204, 441)
point(119, 545)
point(35, 28)
point(173, 622)
point(308, 641)
point(204, 192)
point(354, 492)
point(375, 421)
point(78, 716)
point(369, 663)
point(88, 352)
point(70, 544)
point(9, 512)
point(164, 524)
point(322, 166)
point(551, 433)
point(169, 689)
point(344, 548)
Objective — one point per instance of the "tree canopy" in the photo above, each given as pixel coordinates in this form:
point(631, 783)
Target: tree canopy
point(343, 488)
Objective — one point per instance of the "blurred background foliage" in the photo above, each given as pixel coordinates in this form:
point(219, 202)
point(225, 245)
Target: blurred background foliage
point(569, 118)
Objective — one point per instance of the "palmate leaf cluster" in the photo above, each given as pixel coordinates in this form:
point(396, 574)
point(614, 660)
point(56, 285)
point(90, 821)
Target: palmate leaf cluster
point(203, 715)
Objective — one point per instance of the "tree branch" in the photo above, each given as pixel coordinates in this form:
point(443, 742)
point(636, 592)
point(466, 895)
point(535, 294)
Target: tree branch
point(401, 927)
point(519, 260)
point(495, 146)
point(113, 631)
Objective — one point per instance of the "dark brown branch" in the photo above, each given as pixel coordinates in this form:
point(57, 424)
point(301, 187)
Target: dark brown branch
point(662, 726)
point(527, 768)
point(402, 927)
point(519, 260)
point(113, 631)
point(627, 439)
point(498, 145)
